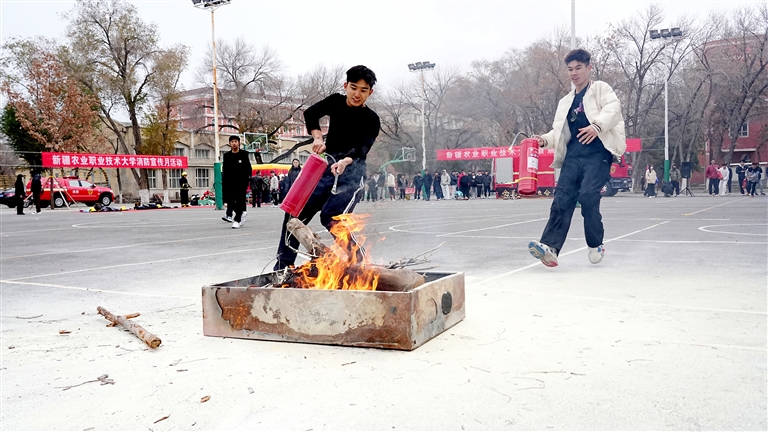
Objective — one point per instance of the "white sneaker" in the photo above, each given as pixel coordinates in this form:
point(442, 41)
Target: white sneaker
point(596, 254)
point(542, 252)
point(236, 225)
point(242, 218)
point(227, 219)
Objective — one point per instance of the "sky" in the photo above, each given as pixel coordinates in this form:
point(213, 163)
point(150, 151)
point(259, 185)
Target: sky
point(383, 35)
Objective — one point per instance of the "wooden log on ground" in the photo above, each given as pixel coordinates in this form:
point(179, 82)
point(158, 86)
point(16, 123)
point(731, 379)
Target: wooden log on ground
point(148, 338)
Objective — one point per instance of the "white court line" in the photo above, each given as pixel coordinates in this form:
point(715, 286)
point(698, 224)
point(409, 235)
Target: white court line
point(493, 227)
point(94, 290)
point(710, 208)
point(139, 263)
point(394, 228)
point(620, 240)
point(704, 229)
point(128, 246)
point(492, 278)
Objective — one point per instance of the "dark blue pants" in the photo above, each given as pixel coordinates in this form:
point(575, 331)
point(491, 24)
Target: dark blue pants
point(580, 180)
point(328, 204)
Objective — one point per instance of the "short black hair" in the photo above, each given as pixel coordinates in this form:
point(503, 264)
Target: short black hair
point(360, 72)
point(579, 55)
point(234, 138)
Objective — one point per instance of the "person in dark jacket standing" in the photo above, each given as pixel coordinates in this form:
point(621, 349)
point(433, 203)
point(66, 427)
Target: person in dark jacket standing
point(37, 190)
point(437, 187)
point(402, 183)
point(257, 189)
point(20, 194)
point(418, 182)
point(352, 131)
point(487, 184)
point(464, 183)
point(427, 184)
point(293, 173)
point(674, 178)
point(184, 189)
point(235, 176)
point(741, 174)
point(479, 184)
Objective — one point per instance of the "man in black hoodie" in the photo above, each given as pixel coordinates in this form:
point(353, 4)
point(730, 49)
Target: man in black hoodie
point(257, 189)
point(352, 131)
point(235, 176)
point(418, 182)
point(19, 194)
point(427, 184)
point(37, 190)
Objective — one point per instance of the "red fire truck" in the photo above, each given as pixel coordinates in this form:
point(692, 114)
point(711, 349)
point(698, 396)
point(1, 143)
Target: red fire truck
point(506, 175)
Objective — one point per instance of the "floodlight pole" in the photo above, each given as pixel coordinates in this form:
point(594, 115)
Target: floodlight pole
point(217, 164)
point(217, 159)
point(655, 34)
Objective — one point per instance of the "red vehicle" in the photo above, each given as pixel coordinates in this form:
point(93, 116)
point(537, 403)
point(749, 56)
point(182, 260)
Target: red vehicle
point(506, 174)
point(73, 189)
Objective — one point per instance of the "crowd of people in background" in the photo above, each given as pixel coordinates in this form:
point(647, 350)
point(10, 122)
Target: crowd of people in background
point(437, 186)
point(719, 180)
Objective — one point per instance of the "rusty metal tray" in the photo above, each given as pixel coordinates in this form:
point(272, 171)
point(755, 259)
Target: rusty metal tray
point(391, 320)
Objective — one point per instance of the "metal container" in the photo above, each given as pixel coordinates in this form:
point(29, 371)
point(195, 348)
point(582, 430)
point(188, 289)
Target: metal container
point(392, 320)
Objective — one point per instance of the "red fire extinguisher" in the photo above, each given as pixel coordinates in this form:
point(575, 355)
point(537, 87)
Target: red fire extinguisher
point(304, 185)
point(528, 182)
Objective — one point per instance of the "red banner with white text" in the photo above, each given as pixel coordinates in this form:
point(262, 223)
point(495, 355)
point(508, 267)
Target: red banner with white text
point(83, 160)
point(482, 153)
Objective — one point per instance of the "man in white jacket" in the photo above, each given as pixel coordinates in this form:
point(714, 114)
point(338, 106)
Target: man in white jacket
point(587, 133)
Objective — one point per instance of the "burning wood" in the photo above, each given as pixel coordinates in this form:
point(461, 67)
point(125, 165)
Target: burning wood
point(344, 265)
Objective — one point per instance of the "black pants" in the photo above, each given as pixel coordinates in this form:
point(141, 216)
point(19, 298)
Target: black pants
point(236, 202)
point(426, 192)
point(650, 190)
point(438, 192)
point(676, 187)
point(329, 205)
point(402, 193)
point(751, 186)
point(714, 186)
point(487, 190)
point(465, 191)
point(417, 192)
point(19, 205)
point(184, 194)
point(479, 190)
point(580, 180)
point(275, 197)
point(36, 201)
point(741, 185)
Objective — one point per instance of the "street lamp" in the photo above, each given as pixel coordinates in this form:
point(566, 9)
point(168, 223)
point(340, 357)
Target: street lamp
point(420, 67)
point(213, 5)
point(674, 32)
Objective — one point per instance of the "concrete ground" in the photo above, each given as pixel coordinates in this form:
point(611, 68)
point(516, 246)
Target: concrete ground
point(667, 333)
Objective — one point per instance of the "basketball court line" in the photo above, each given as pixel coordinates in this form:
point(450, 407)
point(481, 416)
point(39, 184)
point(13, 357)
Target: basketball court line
point(136, 264)
point(538, 263)
point(710, 208)
point(127, 246)
point(94, 290)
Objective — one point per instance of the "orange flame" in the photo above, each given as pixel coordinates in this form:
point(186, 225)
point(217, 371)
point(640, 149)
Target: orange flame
point(347, 266)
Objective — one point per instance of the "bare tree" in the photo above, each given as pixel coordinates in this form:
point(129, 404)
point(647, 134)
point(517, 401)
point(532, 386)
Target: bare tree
point(114, 53)
point(738, 64)
point(161, 129)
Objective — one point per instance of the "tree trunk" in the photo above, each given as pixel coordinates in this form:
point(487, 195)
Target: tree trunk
point(166, 198)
